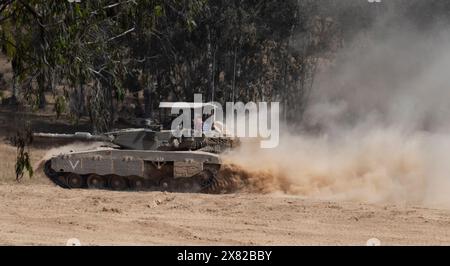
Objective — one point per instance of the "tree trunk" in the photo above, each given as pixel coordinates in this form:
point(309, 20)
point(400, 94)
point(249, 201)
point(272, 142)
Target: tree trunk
point(147, 102)
point(210, 55)
point(42, 100)
point(42, 83)
point(15, 89)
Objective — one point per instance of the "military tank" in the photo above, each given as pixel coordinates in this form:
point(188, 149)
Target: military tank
point(138, 159)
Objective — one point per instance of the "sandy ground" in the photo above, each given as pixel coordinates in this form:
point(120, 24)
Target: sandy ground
point(36, 212)
point(42, 214)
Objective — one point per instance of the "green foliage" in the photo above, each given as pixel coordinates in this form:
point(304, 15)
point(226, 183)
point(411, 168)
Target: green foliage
point(158, 11)
point(23, 164)
point(225, 49)
point(21, 141)
point(60, 105)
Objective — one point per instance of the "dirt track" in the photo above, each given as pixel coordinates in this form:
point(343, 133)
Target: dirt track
point(44, 214)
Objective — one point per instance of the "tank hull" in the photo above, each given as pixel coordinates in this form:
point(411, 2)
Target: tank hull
point(184, 171)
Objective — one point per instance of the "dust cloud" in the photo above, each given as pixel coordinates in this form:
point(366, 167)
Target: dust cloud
point(376, 128)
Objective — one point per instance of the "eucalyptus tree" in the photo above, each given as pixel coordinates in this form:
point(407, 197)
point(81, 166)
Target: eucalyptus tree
point(89, 49)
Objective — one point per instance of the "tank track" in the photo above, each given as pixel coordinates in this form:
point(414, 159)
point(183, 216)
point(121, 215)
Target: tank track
point(216, 145)
point(207, 182)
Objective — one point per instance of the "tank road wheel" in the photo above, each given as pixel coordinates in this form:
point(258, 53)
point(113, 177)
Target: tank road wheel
point(201, 182)
point(117, 182)
point(57, 178)
point(96, 181)
point(74, 181)
point(166, 184)
point(185, 185)
point(61, 180)
point(137, 183)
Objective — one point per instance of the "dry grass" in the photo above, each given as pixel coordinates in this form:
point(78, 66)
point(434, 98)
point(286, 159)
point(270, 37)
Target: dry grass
point(7, 159)
point(7, 165)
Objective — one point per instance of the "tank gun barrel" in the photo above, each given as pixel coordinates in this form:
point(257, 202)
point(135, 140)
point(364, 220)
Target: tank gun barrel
point(77, 136)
